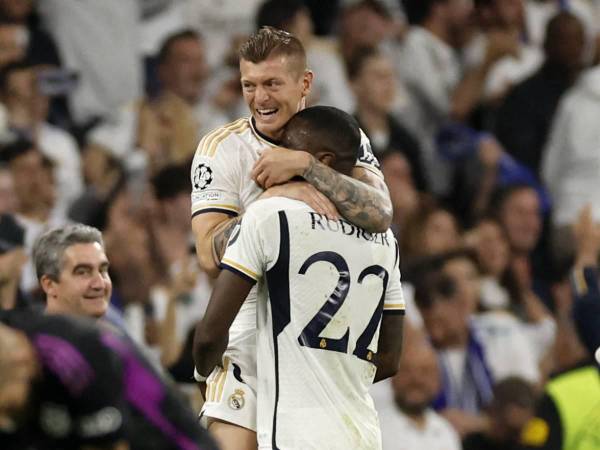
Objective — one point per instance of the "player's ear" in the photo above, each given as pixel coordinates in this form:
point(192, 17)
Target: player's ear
point(327, 158)
point(307, 80)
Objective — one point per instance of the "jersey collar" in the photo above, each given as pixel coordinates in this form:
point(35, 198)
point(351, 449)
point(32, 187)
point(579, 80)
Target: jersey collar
point(260, 135)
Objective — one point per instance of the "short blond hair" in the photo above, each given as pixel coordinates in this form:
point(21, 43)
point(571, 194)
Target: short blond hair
point(270, 41)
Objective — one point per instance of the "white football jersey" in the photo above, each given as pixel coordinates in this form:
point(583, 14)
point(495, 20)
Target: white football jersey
point(221, 183)
point(322, 289)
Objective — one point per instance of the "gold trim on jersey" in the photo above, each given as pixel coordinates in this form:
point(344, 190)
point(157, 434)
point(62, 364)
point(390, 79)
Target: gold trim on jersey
point(208, 144)
point(216, 205)
point(214, 388)
point(258, 136)
point(240, 268)
point(394, 306)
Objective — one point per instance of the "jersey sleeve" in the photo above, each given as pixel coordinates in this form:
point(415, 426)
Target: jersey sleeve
point(394, 299)
point(245, 253)
point(366, 159)
point(215, 177)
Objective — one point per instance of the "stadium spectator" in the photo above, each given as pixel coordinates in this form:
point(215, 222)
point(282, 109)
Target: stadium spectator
point(103, 174)
point(509, 412)
point(403, 193)
point(323, 56)
point(517, 207)
point(475, 352)
point(585, 282)
point(222, 23)
point(438, 87)
point(24, 92)
point(129, 248)
point(66, 384)
point(72, 269)
point(373, 82)
point(186, 289)
point(570, 165)
point(8, 197)
point(501, 290)
point(431, 230)
point(365, 23)
point(183, 71)
point(19, 19)
point(85, 32)
point(12, 259)
point(523, 120)
point(407, 420)
point(504, 19)
point(33, 178)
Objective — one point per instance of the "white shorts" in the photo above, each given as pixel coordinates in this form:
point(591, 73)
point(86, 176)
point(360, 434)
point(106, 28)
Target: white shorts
point(231, 392)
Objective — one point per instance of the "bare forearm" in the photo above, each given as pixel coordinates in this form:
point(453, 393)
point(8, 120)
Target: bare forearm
point(221, 236)
point(387, 366)
point(364, 205)
point(468, 93)
point(208, 353)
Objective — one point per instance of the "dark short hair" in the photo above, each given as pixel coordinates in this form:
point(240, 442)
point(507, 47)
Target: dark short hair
point(376, 6)
point(325, 128)
point(501, 195)
point(358, 59)
point(513, 391)
point(432, 287)
point(13, 149)
point(183, 35)
point(11, 68)
point(278, 13)
point(170, 182)
point(417, 11)
point(269, 41)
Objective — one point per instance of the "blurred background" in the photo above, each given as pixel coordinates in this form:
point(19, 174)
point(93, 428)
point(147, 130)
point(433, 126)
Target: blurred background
point(482, 113)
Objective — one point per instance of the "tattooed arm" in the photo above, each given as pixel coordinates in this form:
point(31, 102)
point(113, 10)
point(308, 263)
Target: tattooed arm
point(363, 199)
point(212, 231)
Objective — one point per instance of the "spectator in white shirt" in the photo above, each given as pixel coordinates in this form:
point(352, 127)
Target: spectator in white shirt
point(403, 404)
point(571, 161)
point(440, 91)
point(474, 352)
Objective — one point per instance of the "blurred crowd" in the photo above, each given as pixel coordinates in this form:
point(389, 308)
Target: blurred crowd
point(482, 113)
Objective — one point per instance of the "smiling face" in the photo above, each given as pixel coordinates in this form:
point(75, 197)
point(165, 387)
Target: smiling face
point(83, 286)
point(274, 89)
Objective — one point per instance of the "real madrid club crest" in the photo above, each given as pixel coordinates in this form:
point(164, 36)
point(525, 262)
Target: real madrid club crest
point(202, 177)
point(236, 400)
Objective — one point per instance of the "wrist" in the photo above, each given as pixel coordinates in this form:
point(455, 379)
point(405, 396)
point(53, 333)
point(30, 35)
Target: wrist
point(198, 377)
point(307, 163)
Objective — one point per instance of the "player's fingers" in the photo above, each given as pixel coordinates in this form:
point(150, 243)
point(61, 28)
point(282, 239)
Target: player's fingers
point(256, 170)
point(260, 178)
point(331, 210)
point(267, 181)
point(326, 207)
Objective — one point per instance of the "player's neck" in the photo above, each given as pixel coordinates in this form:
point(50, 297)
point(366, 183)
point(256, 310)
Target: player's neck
point(269, 137)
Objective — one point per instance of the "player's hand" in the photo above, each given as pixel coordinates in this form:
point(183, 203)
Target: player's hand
point(278, 165)
point(306, 192)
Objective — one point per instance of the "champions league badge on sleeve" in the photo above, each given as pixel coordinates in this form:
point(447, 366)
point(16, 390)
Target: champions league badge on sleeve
point(203, 176)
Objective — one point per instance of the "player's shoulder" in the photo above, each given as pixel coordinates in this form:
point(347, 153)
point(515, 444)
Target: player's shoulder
point(220, 138)
point(268, 208)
